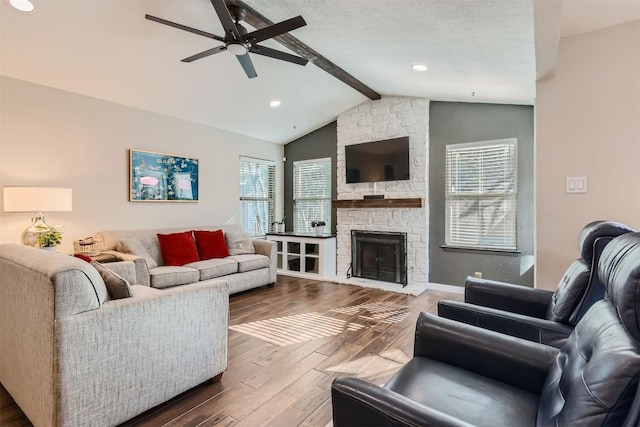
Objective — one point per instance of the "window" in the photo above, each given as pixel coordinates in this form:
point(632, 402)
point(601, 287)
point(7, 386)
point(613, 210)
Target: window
point(257, 195)
point(311, 193)
point(481, 194)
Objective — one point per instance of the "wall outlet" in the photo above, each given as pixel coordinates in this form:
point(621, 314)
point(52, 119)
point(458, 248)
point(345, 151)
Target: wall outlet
point(478, 274)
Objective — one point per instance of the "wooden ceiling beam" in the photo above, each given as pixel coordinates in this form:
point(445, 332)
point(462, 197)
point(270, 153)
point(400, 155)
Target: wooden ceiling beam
point(257, 20)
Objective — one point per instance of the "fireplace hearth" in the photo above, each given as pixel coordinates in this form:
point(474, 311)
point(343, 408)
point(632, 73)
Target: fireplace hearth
point(378, 255)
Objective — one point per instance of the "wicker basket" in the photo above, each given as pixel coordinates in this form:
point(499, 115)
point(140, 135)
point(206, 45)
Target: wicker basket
point(86, 248)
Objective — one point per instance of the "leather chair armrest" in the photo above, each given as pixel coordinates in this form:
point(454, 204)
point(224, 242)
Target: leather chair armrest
point(511, 360)
point(507, 296)
point(359, 403)
point(529, 328)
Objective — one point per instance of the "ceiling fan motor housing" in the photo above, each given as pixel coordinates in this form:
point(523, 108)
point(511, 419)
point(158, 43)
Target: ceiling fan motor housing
point(237, 13)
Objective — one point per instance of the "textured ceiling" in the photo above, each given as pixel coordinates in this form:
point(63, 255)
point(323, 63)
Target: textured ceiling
point(477, 51)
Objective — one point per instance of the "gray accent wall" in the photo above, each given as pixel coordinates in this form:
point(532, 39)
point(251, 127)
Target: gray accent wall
point(455, 122)
point(318, 144)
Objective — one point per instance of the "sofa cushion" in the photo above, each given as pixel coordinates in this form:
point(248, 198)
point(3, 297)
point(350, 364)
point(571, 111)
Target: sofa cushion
point(166, 276)
point(141, 291)
point(178, 248)
point(250, 262)
point(116, 285)
point(467, 396)
point(211, 244)
point(135, 247)
point(216, 267)
point(239, 243)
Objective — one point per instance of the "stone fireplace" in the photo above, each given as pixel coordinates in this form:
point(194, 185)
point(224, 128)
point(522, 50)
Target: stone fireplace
point(379, 256)
point(389, 117)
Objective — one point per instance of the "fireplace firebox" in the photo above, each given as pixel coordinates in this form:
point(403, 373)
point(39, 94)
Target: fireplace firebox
point(379, 256)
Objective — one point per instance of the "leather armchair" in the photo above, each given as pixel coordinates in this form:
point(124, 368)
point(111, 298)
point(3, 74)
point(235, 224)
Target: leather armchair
point(534, 314)
point(461, 375)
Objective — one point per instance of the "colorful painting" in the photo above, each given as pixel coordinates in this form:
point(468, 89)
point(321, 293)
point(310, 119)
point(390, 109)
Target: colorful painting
point(157, 177)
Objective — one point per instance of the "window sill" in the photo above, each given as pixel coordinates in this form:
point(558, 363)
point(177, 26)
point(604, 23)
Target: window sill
point(489, 251)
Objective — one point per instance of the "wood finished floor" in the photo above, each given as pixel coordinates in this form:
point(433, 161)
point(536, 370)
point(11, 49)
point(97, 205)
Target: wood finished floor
point(356, 331)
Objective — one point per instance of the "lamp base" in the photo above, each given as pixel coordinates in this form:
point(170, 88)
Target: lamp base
point(31, 234)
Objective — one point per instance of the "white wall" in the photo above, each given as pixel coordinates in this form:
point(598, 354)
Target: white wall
point(62, 139)
point(389, 117)
point(587, 124)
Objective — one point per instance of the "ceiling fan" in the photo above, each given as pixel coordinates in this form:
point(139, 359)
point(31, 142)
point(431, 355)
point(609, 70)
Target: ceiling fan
point(236, 38)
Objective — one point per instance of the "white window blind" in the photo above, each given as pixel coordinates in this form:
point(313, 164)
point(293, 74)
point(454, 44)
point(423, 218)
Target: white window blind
point(481, 194)
point(311, 193)
point(257, 195)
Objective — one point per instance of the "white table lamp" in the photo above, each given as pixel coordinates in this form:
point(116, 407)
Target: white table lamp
point(36, 200)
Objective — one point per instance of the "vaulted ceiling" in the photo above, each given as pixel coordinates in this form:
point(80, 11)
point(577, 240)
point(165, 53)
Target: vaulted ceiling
point(475, 51)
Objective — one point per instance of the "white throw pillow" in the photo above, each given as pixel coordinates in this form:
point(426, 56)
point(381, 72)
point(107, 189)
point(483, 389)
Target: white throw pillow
point(239, 243)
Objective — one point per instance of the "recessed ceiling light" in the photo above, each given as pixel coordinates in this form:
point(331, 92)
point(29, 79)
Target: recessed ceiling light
point(275, 103)
point(22, 5)
point(419, 67)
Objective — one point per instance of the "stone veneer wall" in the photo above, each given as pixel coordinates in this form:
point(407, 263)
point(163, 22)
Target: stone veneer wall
point(389, 117)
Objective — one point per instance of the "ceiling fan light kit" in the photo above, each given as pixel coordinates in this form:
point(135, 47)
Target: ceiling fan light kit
point(237, 49)
point(21, 5)
point(237, 40)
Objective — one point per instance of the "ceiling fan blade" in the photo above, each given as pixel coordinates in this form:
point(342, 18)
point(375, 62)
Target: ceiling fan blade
point(247, 65)
point(275, 30)
point(272, 53)
point(183, 27)
point(206, 53)
point(225, 19)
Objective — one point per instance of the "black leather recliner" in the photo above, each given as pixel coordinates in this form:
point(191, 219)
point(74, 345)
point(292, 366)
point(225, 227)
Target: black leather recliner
point(535, 314)
point(461, 375)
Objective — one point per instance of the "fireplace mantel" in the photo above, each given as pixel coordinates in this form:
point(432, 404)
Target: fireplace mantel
point(378, 203)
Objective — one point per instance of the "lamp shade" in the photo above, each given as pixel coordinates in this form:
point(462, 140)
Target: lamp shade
point(37, 199)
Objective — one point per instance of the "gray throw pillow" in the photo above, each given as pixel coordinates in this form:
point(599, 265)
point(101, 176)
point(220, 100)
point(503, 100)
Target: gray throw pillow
point(117, 287)
point(135, 247)
point(239, 243)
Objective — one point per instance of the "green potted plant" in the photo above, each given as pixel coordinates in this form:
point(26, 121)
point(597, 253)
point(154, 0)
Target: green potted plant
point(318, 226)
point(49, 239)
point(278, 226)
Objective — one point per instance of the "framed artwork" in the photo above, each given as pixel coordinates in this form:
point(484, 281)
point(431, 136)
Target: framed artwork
point(158, 177)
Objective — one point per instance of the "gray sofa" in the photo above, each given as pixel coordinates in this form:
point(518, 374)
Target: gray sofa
point(72, 356)
point(242, 272)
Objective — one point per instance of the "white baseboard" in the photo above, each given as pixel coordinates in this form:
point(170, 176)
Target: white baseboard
point(446, 288)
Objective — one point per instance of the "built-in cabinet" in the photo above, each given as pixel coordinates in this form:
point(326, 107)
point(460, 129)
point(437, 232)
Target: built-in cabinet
point(305, 254)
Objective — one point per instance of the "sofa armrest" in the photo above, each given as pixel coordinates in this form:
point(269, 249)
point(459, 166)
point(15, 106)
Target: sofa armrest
point(529, 328)
point(508, 297)
point(124, 269)
point(134, 353)
point(514, 361)
point(142, 270)
point(359, 403)
point(268, 248)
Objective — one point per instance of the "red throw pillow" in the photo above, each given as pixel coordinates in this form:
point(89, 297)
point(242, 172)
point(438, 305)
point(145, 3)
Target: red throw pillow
point(211, 244)
point(178, 248)
point(83, 257)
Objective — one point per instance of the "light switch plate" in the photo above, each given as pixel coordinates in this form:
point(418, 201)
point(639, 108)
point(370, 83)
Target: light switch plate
point(576, 184)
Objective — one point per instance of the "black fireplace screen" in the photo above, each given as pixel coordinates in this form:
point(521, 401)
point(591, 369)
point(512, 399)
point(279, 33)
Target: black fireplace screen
point(379, 255)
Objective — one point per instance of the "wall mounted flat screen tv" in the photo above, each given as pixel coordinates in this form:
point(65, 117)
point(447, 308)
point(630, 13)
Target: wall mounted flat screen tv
point(386, 160)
